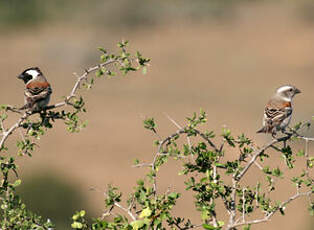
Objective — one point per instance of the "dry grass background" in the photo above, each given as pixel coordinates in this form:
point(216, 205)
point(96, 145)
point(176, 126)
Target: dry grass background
point(227, 67)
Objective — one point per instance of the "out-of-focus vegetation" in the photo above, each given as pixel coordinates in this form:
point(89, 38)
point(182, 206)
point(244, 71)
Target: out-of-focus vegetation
point(47, 198)
point(127, 13)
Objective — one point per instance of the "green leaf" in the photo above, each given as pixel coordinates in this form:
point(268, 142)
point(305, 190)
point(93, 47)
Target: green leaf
point(99, 73)
point(137, 224)
point(144, 70)
point(174, 195)
point(311, 208)
point(209, 227)
point(17, 183)
point(150, 124)
point(146, 212)
point(123, 44)
point(301, 153)
point(77, 225)
point(136, 161)
point(220, 165)
point(277, 172)
point(102, 50)
point(82, 213)
point(281, 210)
point(205, 215)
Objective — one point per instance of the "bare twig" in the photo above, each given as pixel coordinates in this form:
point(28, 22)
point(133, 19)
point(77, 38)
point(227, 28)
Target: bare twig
point(142, 165)
point(2, 126)
point(126, 210)
point(179, 127)
point(214, 216)
point(188, 227)
point(243, 204)
point(269, 215)
point(233, 213)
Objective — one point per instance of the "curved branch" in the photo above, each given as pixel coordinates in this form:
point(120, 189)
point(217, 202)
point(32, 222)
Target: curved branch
point(7, 133)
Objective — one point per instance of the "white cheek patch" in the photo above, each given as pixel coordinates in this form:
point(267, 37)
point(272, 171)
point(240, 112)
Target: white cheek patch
point(283, 88)
point(33, 73)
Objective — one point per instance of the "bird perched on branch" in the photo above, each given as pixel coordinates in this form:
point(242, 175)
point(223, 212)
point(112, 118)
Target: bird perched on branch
point(278, 111)
point(37, 89)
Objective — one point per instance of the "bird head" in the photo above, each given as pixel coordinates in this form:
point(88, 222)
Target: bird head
point(30, 74)
point(287, 92)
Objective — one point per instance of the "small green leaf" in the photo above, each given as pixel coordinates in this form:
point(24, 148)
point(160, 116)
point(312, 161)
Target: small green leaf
point(281, 210)
point(17, 183)
point(301, 153)
point(174, 195)
point(144, 70)
point(77, 225)
point(99, 73)
point(82, 213)
point(311, 208)
point(150, 124)
point(137, 224)
point(220, 165)
point(277, 172)
point(102, 50)
point(136, 162)
point(209, 227)
point(146, 212)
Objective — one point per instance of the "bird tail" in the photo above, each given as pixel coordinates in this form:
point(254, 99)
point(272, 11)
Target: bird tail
point(262, 130)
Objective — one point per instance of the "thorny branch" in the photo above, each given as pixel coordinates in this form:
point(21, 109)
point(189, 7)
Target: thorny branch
point(237, 176)
point(160, 152)
point(255, 155)
point(126, 210)
point(269, 215)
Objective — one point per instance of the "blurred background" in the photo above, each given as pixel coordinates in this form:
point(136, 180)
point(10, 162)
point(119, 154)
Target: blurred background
point(225, 56)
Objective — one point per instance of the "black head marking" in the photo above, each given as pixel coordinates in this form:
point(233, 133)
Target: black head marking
point(29, 74)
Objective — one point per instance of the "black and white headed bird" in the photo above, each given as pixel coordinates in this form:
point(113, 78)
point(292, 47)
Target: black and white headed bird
point(278, 111)
point(37, 89)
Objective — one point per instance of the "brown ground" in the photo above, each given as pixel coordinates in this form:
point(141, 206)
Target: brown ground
point(227, 68)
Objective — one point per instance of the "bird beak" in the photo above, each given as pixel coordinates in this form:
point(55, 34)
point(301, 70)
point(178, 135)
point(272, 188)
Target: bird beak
point(297, 91)
point(20, 76)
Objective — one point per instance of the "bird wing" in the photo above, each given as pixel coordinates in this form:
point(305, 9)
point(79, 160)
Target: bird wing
point(276, 111)
point(36, 91)
point(37, 87)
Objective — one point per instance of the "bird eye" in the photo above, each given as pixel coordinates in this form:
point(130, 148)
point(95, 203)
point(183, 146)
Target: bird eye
point(291, 90)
